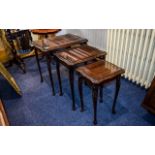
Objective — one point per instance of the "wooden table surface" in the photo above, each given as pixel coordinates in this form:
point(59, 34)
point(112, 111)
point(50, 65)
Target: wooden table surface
point(45, 31)
point(63, 41)
point(100, 71)
point(78, 55)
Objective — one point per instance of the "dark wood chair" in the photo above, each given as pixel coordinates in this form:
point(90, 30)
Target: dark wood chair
point(20, 43)
point(95, 75)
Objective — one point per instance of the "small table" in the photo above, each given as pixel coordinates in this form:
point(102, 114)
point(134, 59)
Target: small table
point(74, 57)
point(95, 75)
point(44, 33)
point(51, 45)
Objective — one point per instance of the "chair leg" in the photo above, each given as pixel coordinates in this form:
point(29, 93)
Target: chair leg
point(50, 73)
point(71, 80)
point(80, 84)
point(20, 63)
point(116, 94)
point(38, 63)
point(101, 94)
point(59, 77)
point(95, 96)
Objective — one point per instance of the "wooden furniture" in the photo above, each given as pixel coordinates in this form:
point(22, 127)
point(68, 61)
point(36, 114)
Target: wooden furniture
point(95, 75)
point(49, 46)
point(5, 54)
point(3, 118)
point(45, 33)
point(149, 100)
point(74, 57)
point(10, 79)
point(20, 42)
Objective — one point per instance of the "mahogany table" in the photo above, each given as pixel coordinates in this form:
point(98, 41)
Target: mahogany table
point(44, 33)
point(95, 75)
point(49, 46)
point(74, 57)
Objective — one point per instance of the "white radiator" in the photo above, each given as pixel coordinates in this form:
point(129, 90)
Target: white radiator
point(133, 50)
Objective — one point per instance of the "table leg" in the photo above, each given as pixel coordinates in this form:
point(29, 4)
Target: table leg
point(71, 80)
point(50, 73)
point(59, 76)
point(101, 94)
point(95, 96)
point(116, 93)
point(38, 63)
point(80, 85)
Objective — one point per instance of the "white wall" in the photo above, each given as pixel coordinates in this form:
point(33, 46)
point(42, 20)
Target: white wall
point(96, 37)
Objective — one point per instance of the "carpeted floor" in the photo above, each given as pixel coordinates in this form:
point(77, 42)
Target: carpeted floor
point(38, 107)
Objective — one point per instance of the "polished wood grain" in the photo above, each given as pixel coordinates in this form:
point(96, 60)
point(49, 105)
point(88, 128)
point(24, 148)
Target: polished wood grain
point(100, 71)
point(95, 75)
point(74, 57)
point(79, 55)
point(149, 100)
point(44, 31)
point(59, 42)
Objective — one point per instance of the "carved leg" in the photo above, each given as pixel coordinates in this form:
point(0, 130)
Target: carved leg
point(101, 94)
point(38, 63)
point(94, 96)
point(59, 77)
point(71, 80)
point(116, 94)
point(80, 84)
point(50, 73)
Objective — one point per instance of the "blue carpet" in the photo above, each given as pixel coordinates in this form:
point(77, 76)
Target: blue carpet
point(38, 107)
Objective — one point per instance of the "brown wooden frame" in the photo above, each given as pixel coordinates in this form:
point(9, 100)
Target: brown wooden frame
point(71, 66)
point(23, 39)
point(95, 86)
point(4, 114)
point(57, 46)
